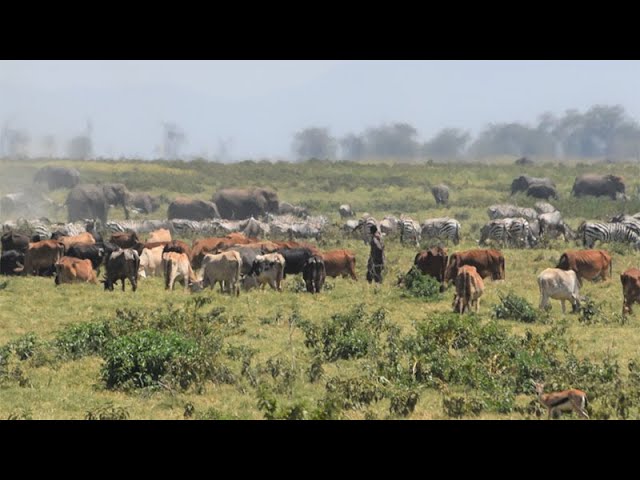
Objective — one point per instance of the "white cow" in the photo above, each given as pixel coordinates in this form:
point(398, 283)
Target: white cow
point(225, 268)
point(560, 285)
point(266, 269)
point(177, 267)
point(151, 262)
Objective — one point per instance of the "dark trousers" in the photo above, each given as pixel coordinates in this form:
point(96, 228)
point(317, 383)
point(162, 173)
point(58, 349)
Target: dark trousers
point(374, 271)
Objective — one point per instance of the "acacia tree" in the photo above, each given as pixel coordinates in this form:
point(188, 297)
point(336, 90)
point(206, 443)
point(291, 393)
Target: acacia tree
point(314, 142)
point(448, 143)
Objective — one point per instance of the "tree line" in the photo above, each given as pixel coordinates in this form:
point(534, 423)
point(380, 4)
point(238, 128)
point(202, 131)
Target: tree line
point(601, 132)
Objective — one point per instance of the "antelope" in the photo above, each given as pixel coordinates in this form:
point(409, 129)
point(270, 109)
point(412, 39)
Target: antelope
point(566, 400)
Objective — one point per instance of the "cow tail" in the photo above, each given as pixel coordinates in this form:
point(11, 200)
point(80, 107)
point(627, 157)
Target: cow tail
point(167, 272)
point(611, 269)
point(502, 268)
point(467, 293)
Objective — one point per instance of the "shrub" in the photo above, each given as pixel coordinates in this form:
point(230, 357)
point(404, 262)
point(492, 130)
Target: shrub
point(513, 307)
point(107, 412)
point(83, 339)
point(458, 406)
point(150, 358)
point(422, 286)
point(355, 393)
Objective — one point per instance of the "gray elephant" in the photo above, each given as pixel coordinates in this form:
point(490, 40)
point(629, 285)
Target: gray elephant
point(599, 185)
point(440, 194)
point(93, 201)
point(144, 202)
point(240, 204)
point(542, 191)
point(523, 182)
point(192, 209)
point(57, 177)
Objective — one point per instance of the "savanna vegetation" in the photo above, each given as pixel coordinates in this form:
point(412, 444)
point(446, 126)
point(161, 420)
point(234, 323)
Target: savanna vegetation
point(356, 351)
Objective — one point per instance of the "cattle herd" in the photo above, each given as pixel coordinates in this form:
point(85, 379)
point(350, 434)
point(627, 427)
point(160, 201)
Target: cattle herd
point(231, 246)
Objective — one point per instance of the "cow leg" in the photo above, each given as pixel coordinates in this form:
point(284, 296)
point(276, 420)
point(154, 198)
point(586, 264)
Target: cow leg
point(564, 311)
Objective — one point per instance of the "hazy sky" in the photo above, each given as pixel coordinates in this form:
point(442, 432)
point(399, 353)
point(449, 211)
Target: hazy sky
point(257, 106)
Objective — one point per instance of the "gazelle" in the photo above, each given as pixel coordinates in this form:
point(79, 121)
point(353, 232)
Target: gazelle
point(566, 400)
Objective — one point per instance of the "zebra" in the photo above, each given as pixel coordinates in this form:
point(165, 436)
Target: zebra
point(442, 228)
point(607, 232)
point(508, 231)
point(365, 226)
point(410, 231)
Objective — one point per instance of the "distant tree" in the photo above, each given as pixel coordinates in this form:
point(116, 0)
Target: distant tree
point(14, 143)
point(48, 145)
point(173, 140)
point(80, 147)
point(448, 143)
point(352, 147)
point(395, 140)
point(513, 139)
point(314, 142)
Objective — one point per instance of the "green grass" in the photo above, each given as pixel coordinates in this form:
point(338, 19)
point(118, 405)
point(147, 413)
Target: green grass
point(263, 341)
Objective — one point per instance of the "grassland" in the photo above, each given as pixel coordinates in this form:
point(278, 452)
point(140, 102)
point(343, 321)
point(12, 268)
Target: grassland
point(262, 334)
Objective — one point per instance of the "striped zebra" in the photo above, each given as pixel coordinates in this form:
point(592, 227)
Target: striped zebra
point(607, 232)
point(365, 226)
point(410, 231)
point(508, 231)
point(444, 228)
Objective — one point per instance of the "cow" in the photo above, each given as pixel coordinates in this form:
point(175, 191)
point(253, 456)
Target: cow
point(42, 256)
point(314, 274)
point(127, 240)
point(203, 246)
point(630, 289)
point(266, 269)
point(433, 262)
point(177, 246)
point(14, 241)
point(177, 267)
point(225, 268)
point(340, 262)
point(488, 263)
point(160, 235)
point(121, 265)
point(96, 253)
point(74, 270)
point(295, 259)
point(151, 262)
point(589, 264)
point(560, 285)
point(469, 289)
point(68, 242)
point(11, 262)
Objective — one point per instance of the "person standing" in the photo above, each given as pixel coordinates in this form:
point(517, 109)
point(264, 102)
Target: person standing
point(375, 265)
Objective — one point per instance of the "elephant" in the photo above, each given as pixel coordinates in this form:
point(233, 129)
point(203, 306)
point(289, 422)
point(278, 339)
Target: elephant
point(440, 194)
point(192, 209)
point(523, 182)
point(93, 201)
point(538, 190)
point(599, 186)
point(57, 177)
point(144, 202)
point(240, 204)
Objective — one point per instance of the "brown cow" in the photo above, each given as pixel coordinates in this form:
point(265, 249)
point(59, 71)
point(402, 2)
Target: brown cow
point(292, 245)
point(469, 289)
point(160, 235)
point(630, 289)
point(488, 263)
point(74, 270)
point(42, 255)
point(340, 262)
point(85, 238)
point(127, 240)
point(433, 262)
point(202, 246)
point(589, 264)
point(177, 246)
point(177, 267)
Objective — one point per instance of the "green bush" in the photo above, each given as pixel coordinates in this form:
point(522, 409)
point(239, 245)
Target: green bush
point(422, 286)
point(107, 412)
point(513, 307)
point(83, 339)
point(150, 358)
point(458, 406)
